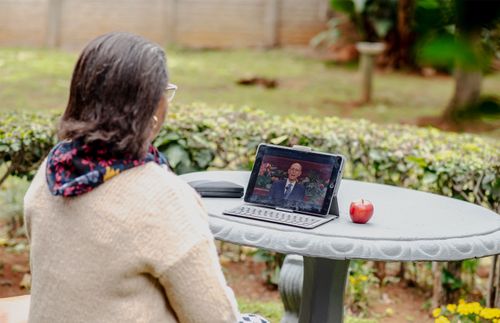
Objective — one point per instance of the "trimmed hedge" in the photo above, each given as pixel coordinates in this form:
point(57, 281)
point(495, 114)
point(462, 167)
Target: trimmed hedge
point(25, 139)
point(197, 138)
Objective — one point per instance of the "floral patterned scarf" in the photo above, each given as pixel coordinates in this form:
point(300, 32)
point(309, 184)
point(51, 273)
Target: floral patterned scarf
point(74, 168)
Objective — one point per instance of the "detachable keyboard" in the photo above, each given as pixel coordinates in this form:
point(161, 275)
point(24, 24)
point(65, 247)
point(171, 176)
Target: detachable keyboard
point(276, 216)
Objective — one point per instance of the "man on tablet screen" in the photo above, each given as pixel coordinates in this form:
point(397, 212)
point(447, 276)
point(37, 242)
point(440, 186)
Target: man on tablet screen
point(283, 192)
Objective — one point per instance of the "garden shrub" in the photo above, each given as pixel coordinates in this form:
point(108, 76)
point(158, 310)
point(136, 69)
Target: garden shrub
point(361, 281)
point(197, 137)
point(25, 139)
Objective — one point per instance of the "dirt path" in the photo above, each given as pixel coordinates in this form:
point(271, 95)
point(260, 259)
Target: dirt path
point(12, 269)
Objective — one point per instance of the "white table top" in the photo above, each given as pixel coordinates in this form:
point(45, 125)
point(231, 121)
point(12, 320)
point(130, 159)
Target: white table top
point(406, 225)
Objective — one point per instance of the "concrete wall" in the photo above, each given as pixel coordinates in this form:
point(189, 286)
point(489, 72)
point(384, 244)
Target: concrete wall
point(193, 23)
point(23, 22)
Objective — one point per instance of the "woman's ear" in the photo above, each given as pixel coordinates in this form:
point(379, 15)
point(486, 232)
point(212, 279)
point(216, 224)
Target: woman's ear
point(158, 118)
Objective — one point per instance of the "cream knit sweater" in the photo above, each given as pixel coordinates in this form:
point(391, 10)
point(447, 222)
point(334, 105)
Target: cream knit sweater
point(135, 249)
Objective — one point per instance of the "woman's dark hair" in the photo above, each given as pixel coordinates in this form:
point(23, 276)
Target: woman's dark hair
point(116, 87)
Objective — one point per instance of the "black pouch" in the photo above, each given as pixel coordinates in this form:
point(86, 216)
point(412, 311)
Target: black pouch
point(207, 188)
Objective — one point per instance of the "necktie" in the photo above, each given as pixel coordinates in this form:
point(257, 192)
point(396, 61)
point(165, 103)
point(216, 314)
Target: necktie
point(288, 190)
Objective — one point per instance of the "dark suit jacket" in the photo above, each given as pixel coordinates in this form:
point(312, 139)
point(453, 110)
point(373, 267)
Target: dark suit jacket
point(277, 192)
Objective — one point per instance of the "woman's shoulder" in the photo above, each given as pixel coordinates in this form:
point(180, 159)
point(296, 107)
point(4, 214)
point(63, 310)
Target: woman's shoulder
point(148, 187)
point(154, 178)
point(161, 202)
point(156, 186)
point(36, 186)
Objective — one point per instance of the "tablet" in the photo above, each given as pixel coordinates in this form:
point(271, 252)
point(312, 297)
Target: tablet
point(299, 180)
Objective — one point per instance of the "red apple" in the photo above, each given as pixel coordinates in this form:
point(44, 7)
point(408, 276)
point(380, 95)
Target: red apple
point(361, 211)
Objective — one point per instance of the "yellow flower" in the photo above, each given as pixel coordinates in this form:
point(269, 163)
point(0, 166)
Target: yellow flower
point(461, 301)
point(469, 308)
point(352, 280)
point(490, 313)
point(110, 172)
point(475, 308)
point(389, 311)
point(441, 319)
point(436, 312)
point(363, 278)
point(462, 309)
point(451, 308)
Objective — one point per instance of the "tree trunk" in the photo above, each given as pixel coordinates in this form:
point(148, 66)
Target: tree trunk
point(437, 292)
point(402, 271)
point(453, 295)
point(493, 297)
point(399, 41)
point(380, 271)
point(468, 79)
point(404, 28)
point(7, 173)
point(467, 91)
point(442, 295)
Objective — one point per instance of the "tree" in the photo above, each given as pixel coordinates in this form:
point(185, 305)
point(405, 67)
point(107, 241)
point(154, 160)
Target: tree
point(387, 21)
point(472, 17)
point(460, 35)
point(399, 53)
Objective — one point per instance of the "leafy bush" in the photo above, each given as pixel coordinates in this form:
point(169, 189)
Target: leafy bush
point(361, 281)
point(196, 137)
point(461, 166)
point(273, 262)
point(25, 139)
point(11, 208)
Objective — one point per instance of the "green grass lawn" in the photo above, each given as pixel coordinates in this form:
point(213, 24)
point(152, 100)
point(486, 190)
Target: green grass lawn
point(273, 311)
point(39, 79)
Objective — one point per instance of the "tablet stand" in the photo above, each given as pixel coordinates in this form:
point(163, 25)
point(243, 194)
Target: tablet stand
point(334, 206)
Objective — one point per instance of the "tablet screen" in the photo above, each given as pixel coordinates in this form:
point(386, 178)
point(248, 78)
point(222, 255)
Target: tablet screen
point(303, 181)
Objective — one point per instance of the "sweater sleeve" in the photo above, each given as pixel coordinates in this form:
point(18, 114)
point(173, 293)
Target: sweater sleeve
point(180, 250)
point(196, 288)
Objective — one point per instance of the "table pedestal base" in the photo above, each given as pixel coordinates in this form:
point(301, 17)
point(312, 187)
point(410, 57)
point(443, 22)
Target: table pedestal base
point(312, 289)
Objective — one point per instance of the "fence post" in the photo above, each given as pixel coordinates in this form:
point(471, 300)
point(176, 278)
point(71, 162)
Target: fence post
point(171, 25)
point(53, 35)
point(323, 7)
point(272, 9)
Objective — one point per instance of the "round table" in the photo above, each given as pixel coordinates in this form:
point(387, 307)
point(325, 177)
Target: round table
point(407, 225)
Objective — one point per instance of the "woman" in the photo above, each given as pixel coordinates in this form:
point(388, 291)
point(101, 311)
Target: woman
point(115, 236)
